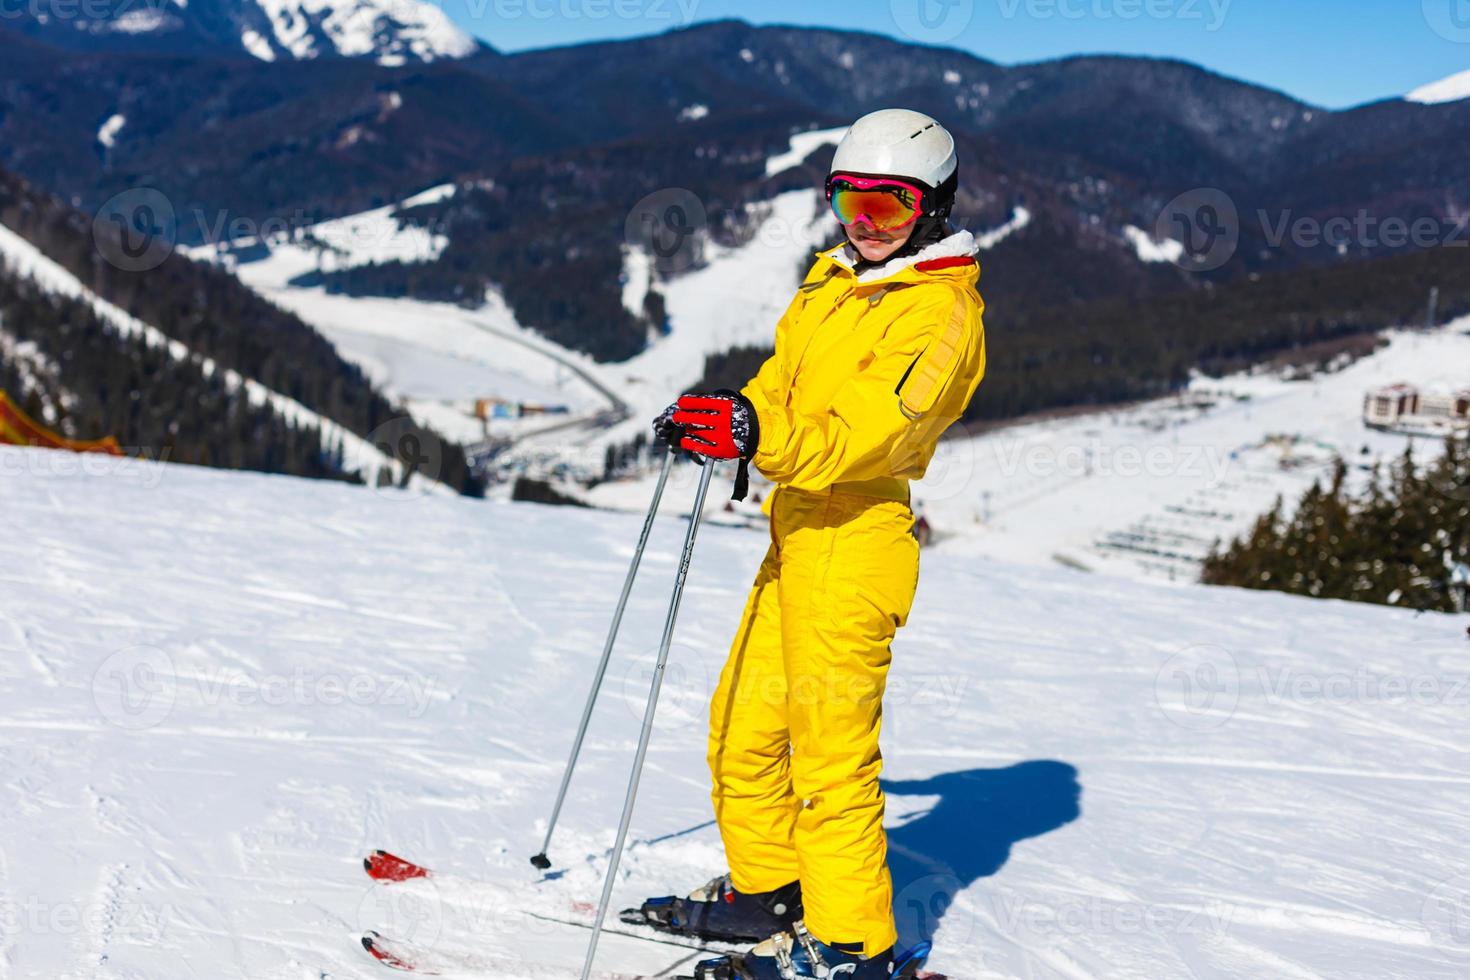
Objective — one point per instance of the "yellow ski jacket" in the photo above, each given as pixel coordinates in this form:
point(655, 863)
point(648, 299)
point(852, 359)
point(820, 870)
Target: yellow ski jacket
point(869, 370)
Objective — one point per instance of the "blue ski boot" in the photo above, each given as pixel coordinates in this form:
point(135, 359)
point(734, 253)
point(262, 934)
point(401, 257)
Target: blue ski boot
point(720, 913)
point(797, 954)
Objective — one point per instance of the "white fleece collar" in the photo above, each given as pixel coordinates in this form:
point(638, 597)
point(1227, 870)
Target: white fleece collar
point(961, 244)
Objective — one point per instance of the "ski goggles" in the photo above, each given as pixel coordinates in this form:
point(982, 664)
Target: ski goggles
point(883, 203)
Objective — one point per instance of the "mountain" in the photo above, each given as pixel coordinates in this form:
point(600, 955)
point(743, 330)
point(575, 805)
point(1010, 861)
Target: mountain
point(1451, 89)
point(553, 149)
point(388, 32)
point(105, 334)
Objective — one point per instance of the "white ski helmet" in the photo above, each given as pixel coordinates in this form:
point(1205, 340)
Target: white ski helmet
point(900, 143)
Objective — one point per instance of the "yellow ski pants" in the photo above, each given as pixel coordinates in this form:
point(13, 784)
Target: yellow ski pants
point(794, 723)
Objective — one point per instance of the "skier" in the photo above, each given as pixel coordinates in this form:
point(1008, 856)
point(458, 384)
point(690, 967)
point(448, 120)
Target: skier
point(879, 352)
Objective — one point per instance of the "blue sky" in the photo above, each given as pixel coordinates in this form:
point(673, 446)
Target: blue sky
point(1330, 52)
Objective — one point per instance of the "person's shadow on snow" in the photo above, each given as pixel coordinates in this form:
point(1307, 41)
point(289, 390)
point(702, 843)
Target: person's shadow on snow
point(968, 833)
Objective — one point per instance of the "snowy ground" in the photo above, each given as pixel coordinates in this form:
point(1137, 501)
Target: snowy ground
point(221, 689)
point(1147, 490)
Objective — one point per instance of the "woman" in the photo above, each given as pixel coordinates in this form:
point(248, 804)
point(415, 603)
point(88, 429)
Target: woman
point(880, 351)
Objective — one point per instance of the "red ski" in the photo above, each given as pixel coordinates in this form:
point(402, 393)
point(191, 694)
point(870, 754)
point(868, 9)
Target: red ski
point(383, 866)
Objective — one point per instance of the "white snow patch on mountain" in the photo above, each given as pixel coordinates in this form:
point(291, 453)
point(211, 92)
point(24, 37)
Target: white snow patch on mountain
point(1020, 218)
point(438, 357)
point(713, 309)
point(637, 278)
point(262, 678)
point(1451, 89)
point(693, 113)
point(140, 21)
point(391, 31)
point(1150, 250)
point(107, 132)
point(440, 192)
point(257, 46)
point(802, 146)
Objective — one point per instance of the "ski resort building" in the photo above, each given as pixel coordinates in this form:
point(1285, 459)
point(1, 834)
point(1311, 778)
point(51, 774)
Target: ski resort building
point(1397, 405)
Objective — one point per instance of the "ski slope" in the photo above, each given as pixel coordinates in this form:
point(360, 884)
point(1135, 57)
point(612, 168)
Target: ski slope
point(221, 690)
point(1147, 489)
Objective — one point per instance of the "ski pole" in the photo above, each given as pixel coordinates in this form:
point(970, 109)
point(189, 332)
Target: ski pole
point(541, 860)
point(647, 734)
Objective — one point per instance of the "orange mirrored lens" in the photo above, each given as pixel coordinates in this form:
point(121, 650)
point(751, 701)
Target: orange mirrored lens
point(886, 209)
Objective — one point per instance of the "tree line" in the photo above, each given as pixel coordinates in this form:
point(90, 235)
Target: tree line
point(1398, 543)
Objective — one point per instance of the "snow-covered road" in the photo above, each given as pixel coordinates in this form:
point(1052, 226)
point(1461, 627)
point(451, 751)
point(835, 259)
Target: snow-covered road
point(219, 690)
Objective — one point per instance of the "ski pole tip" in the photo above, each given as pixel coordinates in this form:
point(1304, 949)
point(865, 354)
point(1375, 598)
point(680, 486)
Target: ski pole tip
point(541, 861)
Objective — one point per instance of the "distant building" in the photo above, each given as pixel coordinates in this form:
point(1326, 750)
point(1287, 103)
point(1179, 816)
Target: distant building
point(1388, 405)
point(1406, 405)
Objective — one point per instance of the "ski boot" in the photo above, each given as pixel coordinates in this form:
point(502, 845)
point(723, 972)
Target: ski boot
point(720, 913)
point(797, 954)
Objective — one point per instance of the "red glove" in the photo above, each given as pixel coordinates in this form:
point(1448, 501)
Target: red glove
point(722, 425)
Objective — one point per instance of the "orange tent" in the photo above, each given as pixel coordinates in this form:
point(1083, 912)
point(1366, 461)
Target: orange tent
point(19, 429)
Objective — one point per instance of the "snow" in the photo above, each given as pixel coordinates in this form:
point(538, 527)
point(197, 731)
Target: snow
point(1020, 218)
point(438, 357)
point(441, 357)
point(257, 46)
point(433, 195)
point(107, 132)
point(802, 146)
point(359, 455)
point(1175, 474)
point(952, 77)
point(637, 277)
point(1150, 250)
point(693, 113)
point(140, 21)
point(1451, 89)
point(391, 31)
point(714, 308)
point(223, 689)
